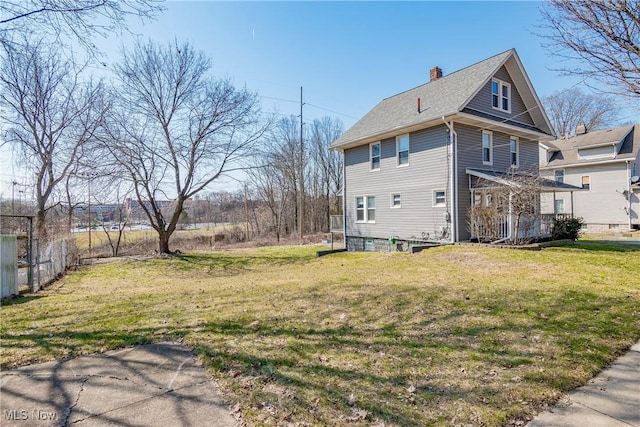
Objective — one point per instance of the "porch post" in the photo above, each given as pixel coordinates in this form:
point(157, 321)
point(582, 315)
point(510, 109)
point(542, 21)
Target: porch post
point(511, 231)
point(472, 212)
point(571, 204)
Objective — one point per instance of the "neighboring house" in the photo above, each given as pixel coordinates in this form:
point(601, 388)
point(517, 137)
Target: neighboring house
point(413, 162)
point(606, 164)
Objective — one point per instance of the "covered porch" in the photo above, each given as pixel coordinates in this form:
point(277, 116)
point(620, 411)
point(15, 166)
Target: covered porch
point(505, 207)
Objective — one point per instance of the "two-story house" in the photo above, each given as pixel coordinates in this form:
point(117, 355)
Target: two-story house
point(606, 165)
point(413, 163)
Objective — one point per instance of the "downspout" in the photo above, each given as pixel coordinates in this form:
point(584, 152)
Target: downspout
point(344, 199)
point(629, 193)
point(454, 181)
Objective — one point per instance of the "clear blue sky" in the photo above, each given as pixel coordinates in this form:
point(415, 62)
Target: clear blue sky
point(347, 55)
point(350, 55)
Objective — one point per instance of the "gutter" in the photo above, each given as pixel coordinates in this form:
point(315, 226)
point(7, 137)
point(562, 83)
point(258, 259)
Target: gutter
point(389, 133)
point(455, 236)
point(577, 165)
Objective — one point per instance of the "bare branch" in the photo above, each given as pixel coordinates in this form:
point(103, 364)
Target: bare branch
point(178, 129)
point(567, 109)
point(48, 114)
point(70, 20)
point(602, 36)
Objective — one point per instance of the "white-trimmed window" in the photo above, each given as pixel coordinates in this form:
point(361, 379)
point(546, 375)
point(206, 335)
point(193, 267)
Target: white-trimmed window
point(396, 200)
point(514, 151)
point(487, 147)
point(558, 175)
point(360, 209)
point(374, 155)
point(402, 148)
point(371, 209)
point(365, 208)
point(439, 198)
point(558, 206)
point(501, 95)
point(586, 182)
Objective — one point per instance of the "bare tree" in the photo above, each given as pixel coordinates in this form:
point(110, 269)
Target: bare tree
point(276, 182)
point(272, 188)
point(79, 20)
point(514, 201)
point(49, 114)
point(284, 153)
point(328, 166)
point(178, 129)
point(569, 108)
point(604, 36)
point(117, 191)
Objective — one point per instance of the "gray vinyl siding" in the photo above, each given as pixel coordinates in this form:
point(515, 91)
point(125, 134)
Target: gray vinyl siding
point(426, 172)
point(470, 156)
point(482, 101)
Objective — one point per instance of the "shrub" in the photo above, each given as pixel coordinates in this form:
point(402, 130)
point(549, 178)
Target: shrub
point(567, 228)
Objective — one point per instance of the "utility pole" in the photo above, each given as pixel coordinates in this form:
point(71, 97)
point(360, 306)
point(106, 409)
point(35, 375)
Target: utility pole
point(246, 215)
point(89, 213)
point(301, 175)
point(13, 197)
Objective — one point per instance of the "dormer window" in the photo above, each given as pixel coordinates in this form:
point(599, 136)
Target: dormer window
point(501, 95)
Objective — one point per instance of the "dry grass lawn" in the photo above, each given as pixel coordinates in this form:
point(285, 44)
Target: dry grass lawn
point(457, 335)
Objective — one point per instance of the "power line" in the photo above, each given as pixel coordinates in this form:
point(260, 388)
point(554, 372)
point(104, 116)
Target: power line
point(279, 99)
point(311, 105)
point(331, 111)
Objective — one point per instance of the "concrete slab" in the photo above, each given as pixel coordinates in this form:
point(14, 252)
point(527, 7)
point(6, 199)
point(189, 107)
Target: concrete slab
point(156, 384)
point(611, 399)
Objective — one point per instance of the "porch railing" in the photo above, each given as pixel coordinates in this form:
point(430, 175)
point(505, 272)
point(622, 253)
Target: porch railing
point(502, 228)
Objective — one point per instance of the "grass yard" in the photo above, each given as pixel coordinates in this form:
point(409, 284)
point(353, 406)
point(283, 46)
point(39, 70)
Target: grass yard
point(146, 241)
point(454, 335)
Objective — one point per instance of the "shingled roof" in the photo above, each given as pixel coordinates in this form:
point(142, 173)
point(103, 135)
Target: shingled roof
point(444, 96)
point(565, 151)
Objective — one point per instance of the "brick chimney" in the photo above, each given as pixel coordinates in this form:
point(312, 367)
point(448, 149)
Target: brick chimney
point(435, 73)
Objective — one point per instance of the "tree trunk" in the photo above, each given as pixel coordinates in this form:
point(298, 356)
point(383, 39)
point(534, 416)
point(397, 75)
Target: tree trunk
point(41, 228)
point(164, 242)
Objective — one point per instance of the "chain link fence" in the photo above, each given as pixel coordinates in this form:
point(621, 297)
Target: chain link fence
point(50, 261)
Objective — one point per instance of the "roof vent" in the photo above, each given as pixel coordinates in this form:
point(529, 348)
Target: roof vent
point(435, 73)
point(581, 129)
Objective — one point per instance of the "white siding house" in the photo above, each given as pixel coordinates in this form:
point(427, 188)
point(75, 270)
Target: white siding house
point(605, 164)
